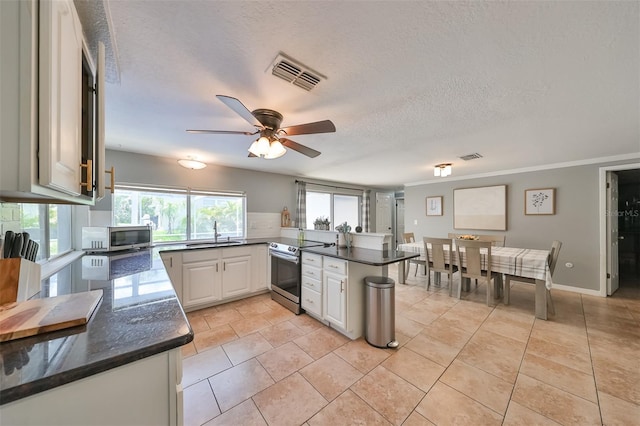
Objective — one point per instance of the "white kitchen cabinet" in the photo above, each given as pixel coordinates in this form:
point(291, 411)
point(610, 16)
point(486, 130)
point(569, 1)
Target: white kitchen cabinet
point(260, 268)
point(42, 139)
point(201, 277)
point(236, 272)
point(207, 277)
point(334, 281)
point(60, 96)
point(144, 392)
point(343, 294)
point(311, 285)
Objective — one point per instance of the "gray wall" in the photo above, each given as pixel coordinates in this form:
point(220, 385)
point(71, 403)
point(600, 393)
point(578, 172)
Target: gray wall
point(266, 192)
point(576, 222)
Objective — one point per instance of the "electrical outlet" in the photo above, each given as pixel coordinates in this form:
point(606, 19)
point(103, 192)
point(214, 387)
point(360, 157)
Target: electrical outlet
point(415, 221)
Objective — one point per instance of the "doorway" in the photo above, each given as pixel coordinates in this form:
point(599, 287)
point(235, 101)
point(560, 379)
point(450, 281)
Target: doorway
point(629, 228)
point(620, 230)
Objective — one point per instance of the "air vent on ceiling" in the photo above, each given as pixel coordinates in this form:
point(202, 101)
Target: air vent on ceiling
point(294, 72)
point(471, 156)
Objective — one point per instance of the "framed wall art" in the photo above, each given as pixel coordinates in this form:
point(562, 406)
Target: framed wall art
point(540, 201)
point(434, 206)
point(483, 208)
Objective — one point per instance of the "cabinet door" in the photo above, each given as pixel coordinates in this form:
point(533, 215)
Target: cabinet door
point(236, 276)
point(335, 299)
point(259, 275)
point(60, 96)
point(200, 282)
point(173, 265)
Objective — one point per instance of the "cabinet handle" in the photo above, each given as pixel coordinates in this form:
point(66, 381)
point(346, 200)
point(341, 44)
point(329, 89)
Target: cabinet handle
point(216, 267)
point(224, 266)
point(333, 266)
point(341, 286)
point(89, 183)
point(171, 262)
point(112, 172)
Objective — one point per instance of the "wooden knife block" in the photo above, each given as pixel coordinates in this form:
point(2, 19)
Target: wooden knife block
point(19, 280)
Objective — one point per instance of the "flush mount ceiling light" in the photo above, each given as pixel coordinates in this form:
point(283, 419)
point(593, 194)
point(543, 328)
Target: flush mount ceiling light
point(190, 163)
point(442, 170)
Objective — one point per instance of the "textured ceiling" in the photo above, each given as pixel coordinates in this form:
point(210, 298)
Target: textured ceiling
point(409, 84)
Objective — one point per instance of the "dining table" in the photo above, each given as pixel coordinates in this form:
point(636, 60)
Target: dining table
point(515, 261)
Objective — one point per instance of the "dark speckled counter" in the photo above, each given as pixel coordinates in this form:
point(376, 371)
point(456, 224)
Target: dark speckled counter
point(362, 255)
point(139, 316)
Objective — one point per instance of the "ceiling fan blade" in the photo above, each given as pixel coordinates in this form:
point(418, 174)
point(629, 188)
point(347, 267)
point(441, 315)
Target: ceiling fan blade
point(222, 132)
point(325, 126)
point(300, 148)
point(240, 109)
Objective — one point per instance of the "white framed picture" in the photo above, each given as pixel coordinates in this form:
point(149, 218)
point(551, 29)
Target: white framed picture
point(540, 201)
point(434, 206)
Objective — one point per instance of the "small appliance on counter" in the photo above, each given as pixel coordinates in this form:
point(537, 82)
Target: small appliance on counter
point(114, 238)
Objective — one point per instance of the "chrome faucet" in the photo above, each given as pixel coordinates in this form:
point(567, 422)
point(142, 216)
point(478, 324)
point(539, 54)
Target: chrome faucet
point(215, 230)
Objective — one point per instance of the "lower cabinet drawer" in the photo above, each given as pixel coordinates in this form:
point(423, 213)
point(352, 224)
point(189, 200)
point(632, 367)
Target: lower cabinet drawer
point(311, 271)
point(311, 301)
point(336, 266)
point(312, 284)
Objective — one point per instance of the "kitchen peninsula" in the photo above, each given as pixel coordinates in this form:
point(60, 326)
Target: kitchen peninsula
point(123, 367)
point(333, 287)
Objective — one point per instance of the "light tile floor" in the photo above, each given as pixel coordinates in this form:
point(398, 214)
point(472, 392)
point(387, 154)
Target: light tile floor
point(252, 362)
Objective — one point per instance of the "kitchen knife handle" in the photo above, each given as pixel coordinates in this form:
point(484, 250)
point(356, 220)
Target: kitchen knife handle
point(16, 246)
point(26, 239)
point(8, 243)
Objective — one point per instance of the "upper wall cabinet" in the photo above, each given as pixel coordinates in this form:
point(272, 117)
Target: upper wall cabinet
point(51, 138)
point(60, 96)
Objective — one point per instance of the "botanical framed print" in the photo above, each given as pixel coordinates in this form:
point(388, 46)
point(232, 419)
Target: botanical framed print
point(434, 206)
point(540, 201)
point(480, 208)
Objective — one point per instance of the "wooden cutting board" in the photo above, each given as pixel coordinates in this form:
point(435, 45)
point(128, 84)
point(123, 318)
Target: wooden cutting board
point(37, 316)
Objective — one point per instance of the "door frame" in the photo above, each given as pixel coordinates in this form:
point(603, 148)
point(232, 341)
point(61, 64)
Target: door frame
point(602, 207)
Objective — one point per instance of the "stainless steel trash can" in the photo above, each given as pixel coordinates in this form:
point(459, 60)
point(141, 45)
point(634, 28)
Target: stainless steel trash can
point(380, 312)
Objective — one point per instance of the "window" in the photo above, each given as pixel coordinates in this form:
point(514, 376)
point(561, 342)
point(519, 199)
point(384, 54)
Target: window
point(338, 207)
point(50, 226)
point(180, 214)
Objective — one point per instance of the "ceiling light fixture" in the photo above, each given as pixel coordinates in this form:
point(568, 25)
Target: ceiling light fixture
point(442, 170)
point(267, 148)
point(190, 163)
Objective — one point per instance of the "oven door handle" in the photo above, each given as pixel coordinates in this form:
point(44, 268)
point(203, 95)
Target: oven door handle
point(288, 258)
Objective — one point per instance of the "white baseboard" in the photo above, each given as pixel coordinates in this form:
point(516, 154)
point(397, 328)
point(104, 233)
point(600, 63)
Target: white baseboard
point(573, 289)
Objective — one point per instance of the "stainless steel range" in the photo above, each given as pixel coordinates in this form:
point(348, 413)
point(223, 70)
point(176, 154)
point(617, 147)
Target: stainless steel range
point(285, 272)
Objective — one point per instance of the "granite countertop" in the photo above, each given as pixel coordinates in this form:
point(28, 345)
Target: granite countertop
point(139, 316)
point(362, 255)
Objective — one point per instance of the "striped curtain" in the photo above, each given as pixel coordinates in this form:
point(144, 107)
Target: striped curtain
point(366, 208)
point(301, 205)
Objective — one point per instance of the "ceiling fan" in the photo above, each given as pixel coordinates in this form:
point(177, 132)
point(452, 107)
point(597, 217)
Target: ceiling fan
point(271, 143)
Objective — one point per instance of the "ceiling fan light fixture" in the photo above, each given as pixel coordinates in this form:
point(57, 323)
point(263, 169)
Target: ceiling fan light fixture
point(260, 147)
point(190, 163)
point(276, 150)
point(442, 170)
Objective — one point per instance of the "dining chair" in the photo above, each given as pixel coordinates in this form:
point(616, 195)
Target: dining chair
point(551, 260)
point(408, 237)
point(470, 251)
point(436, 260)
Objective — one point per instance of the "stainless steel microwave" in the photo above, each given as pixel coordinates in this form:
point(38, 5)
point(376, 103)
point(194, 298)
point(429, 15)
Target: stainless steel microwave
point(114, 238)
